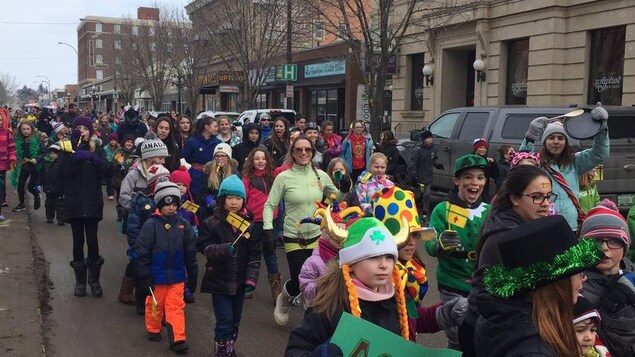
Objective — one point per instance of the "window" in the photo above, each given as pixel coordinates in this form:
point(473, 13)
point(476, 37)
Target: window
point(117, 28)
point(516, 126)
point(473, 126)
point(606, 76)
point(99, 74)
point(318, 29)
point(99, 43)
point(99, 59)
point(444, 126)
point(342, 29)
point(98, 27)
point(117, 44)
point(135, 30)
point(416, 84)
point(517, 67)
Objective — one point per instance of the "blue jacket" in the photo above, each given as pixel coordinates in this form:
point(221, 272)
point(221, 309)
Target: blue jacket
point(141, 208)
point(198, 151)
point(584, 161)
point(166, 250)
point(347, 151)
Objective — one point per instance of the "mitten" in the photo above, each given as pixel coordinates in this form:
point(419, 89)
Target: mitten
point(447, 242)
point(210, 202)
point(536, 128)
point(82, 155)
point(600, 114)
point(75, 135)
point(132, 253)
point(192, 282)
point(619, 294)
point(327, 350)
point(451, 313)
point(345, 184)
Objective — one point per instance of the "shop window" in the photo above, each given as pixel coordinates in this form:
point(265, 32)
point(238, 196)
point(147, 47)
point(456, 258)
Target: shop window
point(606, 75)
point(517, 68)
point(416, 84)
point(98, 27)
point(99, 43)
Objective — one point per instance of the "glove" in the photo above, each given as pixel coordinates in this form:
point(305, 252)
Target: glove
point(83, 155)
point(210, 202)
point(192, 282)
point(146, 283)
point(345, 184)
point(448, 241)
point(132, 253)
point(536, 128)
point(75, 135)
point(600, 114)
point(327, 350)
point(232, 250)
point(269, 235)
point(249, 289)
point(619, 294)
point(451, 313)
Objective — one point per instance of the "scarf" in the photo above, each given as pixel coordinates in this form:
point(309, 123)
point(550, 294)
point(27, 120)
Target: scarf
point(364, 293)
point(565, 186)
point(326, 251)
point(414, 281)
point(34, 150)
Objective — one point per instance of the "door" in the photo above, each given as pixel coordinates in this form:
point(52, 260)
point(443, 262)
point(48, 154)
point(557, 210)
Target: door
point(442, 130)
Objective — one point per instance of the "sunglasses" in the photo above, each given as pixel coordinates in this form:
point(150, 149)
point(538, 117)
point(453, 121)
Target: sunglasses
point(265, 119)
point(303, 150)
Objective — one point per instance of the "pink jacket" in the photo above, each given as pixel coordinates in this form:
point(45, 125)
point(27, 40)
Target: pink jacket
point(312, 269)
point(7, 149)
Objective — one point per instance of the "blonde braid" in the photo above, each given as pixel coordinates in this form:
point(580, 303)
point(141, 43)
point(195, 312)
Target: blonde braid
point(318, 176)
point(401, 303)
point(353, 299)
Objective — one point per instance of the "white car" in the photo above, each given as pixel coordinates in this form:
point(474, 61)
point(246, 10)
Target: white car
point(253, 116)
point(231, 115)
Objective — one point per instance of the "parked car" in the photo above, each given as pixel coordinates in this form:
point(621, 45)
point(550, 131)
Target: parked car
point(455, 129)
point(210, 113)
point(253, 115)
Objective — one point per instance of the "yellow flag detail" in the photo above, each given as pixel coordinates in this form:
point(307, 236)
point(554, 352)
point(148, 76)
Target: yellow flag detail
point(190, 206)
point(237, 221)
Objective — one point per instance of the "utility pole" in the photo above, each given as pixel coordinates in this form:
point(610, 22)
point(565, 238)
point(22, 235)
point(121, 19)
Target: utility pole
point(289, 52)
point(177, 80)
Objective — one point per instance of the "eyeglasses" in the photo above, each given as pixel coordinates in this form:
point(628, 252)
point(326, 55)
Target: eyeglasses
point(303, 150)
point(265, 119)
point(612, 243)
point(358, 127)
point(540, 199)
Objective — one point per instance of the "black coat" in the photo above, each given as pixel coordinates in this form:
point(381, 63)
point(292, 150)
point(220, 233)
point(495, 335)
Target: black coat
point(317, 329)
point(83, 194)
point(392, 153)
point(422, 160)
point(68, 118)
point(242, 150)
point(52, 177)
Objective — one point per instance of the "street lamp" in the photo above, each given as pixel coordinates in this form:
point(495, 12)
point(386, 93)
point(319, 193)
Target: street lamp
point(93, 95)
point(76, 53)
point(177, 80)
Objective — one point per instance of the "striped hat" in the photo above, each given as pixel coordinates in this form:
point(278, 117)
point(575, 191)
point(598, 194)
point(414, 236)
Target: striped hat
point(603, 222)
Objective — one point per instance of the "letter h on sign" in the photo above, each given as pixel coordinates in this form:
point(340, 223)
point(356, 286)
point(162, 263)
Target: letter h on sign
point(288, 72)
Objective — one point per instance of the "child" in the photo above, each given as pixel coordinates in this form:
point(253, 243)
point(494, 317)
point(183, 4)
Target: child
point(609, 286)
point(110, 150)
point(232, 265)
point(480, 148)
point(504, 164)
point(458, 224)
point(586, 321)
point(258, 179)
point(166, 259)
point(123, 159)
point(53, 184)
point(372, 181)
point(524, 158)
point(388, 147)
point(589, 196)
point(7, 155)
point(422, 160)
point(338, 173)
point(29, 155)
point(216, 170)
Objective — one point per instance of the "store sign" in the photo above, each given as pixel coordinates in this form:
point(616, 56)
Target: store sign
point(374, 59)
point(228, 89)
point(289, 93)
point(287, 72)
point(330, 68)
point(363, 108)
point(610, 82)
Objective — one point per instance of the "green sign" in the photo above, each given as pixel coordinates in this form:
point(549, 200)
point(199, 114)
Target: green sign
point(360, 338)
point(287, 72)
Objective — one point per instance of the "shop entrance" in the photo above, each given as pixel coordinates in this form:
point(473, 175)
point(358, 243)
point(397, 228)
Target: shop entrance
point(327, 104)
point(457, 87)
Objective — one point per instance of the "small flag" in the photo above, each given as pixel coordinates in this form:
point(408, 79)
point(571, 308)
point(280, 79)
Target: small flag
point(190, 206)
point(238, 222)
point(154, 303)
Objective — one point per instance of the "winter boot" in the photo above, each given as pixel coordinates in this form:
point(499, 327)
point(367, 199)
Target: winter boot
point(80, 277)
point(180, 347)
point(94, 271)
point(276, 288)
point(284, 302)
point(126, 295)
point(224, 348)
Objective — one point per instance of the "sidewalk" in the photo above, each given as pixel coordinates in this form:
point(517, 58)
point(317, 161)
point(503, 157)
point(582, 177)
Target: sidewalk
point(21, 266)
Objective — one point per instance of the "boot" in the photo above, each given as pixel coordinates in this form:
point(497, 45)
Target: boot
point(126, 295)
point(94, 271)
point(284, 301)
point(224, 348)
point(276, 288)
point(80, 277)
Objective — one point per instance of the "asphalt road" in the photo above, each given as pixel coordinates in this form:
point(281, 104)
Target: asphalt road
point(103, 327)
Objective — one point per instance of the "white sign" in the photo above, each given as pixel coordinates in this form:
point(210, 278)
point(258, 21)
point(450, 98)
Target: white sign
point(228, 89)
point(289, 93)
point(363, 109)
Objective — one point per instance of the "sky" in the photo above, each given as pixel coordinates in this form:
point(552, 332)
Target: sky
point(31, 29)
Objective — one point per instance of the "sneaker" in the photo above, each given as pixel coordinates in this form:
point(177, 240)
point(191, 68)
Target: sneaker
point(5, 204)
point(1, 218)
point(19, 208)
point(154, 336)
point(111, 198)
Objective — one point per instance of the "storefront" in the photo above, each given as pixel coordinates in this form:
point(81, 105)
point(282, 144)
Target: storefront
point(221, 92)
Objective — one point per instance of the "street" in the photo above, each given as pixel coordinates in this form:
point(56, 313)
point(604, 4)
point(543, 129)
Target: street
point(105, 327)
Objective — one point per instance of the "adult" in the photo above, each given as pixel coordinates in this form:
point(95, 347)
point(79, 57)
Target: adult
point(299, 187)
point(184, 129)
point(44, 121)
point(356, 149)
point(165, 131)
point(198, 150)
point(299, 123)
point(532, 288)
point(524, 197)
point(332, 141)
point(132, 125)
point(312, 131)
point(250, 142)
point(83, 171)
point(277, 144)
point(388, 147)
point(265, 126)
point(104, 129)
point(563, 164)
point(70, 115)
point(225, 133)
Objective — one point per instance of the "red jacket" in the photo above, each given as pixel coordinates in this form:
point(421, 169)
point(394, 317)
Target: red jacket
point(7, 149)
point(256, 194)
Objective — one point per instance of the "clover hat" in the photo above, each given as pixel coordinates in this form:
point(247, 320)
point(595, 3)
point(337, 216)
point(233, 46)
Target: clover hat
point(537, 253)
point(366, 238)
point(470, 161)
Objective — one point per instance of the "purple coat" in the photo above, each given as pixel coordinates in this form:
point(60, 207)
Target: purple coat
point(312, 269)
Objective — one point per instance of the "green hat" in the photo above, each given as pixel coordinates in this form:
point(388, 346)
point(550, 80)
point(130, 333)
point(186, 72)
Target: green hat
point(470, 161)
point(367, 238)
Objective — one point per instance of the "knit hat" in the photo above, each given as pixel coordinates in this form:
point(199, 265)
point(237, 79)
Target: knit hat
point(156, 173)
point(367, 238)
point(166, 193)
point(480, 142)
point(395, 208)
point(603, 222)
point(470, 161)
point(537, 253)
point(311, 126)
point(85, 121)
point(426, 134)
point(232, 186)
point(59, 126)
point(223, 148)
point(55, 148)
point(583, 310)
point(152, 146)
point(516, 157)
point(181, 175)
point(554, 128)
point(129, 137)
point(113, 136)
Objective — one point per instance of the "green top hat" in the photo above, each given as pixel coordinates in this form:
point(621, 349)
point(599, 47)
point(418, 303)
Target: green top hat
point(470, 161)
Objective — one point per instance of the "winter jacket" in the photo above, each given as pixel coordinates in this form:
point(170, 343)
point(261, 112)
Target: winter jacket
point(83, 193)
point(589, 198)
point(7, 149)
point(123, 160)
point(204, 211)
point(233, 139)
point(614, 297)
point(141, 208)
point(242, 150)
point(631, 228)
point(333, 148)
point(367, 186)
point(493, 173)
point(257, 191)
point(347, 151)
point(135, 180)
point(172, 162)
point(392, 154)
point(299, 188)
point(583, 162)
point(52, 176)
point(68, 119)
point(265, 131)
point(110, 151)
point(227, 273)
point(197, 152)
point(31, 148)
point(422, 160)
point(455, 270)
point(279, 154)
point(503, 169)
point(166, 250)
point(313, 268)
point(506, 329)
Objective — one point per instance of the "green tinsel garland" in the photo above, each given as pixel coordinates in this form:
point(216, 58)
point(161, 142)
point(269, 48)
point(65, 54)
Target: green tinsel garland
point(506, 282)
point(34, 150)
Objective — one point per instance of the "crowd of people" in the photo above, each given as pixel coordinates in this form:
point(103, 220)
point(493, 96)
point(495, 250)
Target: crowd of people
point(538, 268)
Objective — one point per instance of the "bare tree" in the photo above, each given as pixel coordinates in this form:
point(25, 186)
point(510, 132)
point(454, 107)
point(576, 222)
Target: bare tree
point(8, 88)
point(375, 29)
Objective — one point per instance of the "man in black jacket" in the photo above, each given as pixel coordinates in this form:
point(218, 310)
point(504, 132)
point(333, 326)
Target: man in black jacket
point(422, 160)
point(69, 116)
